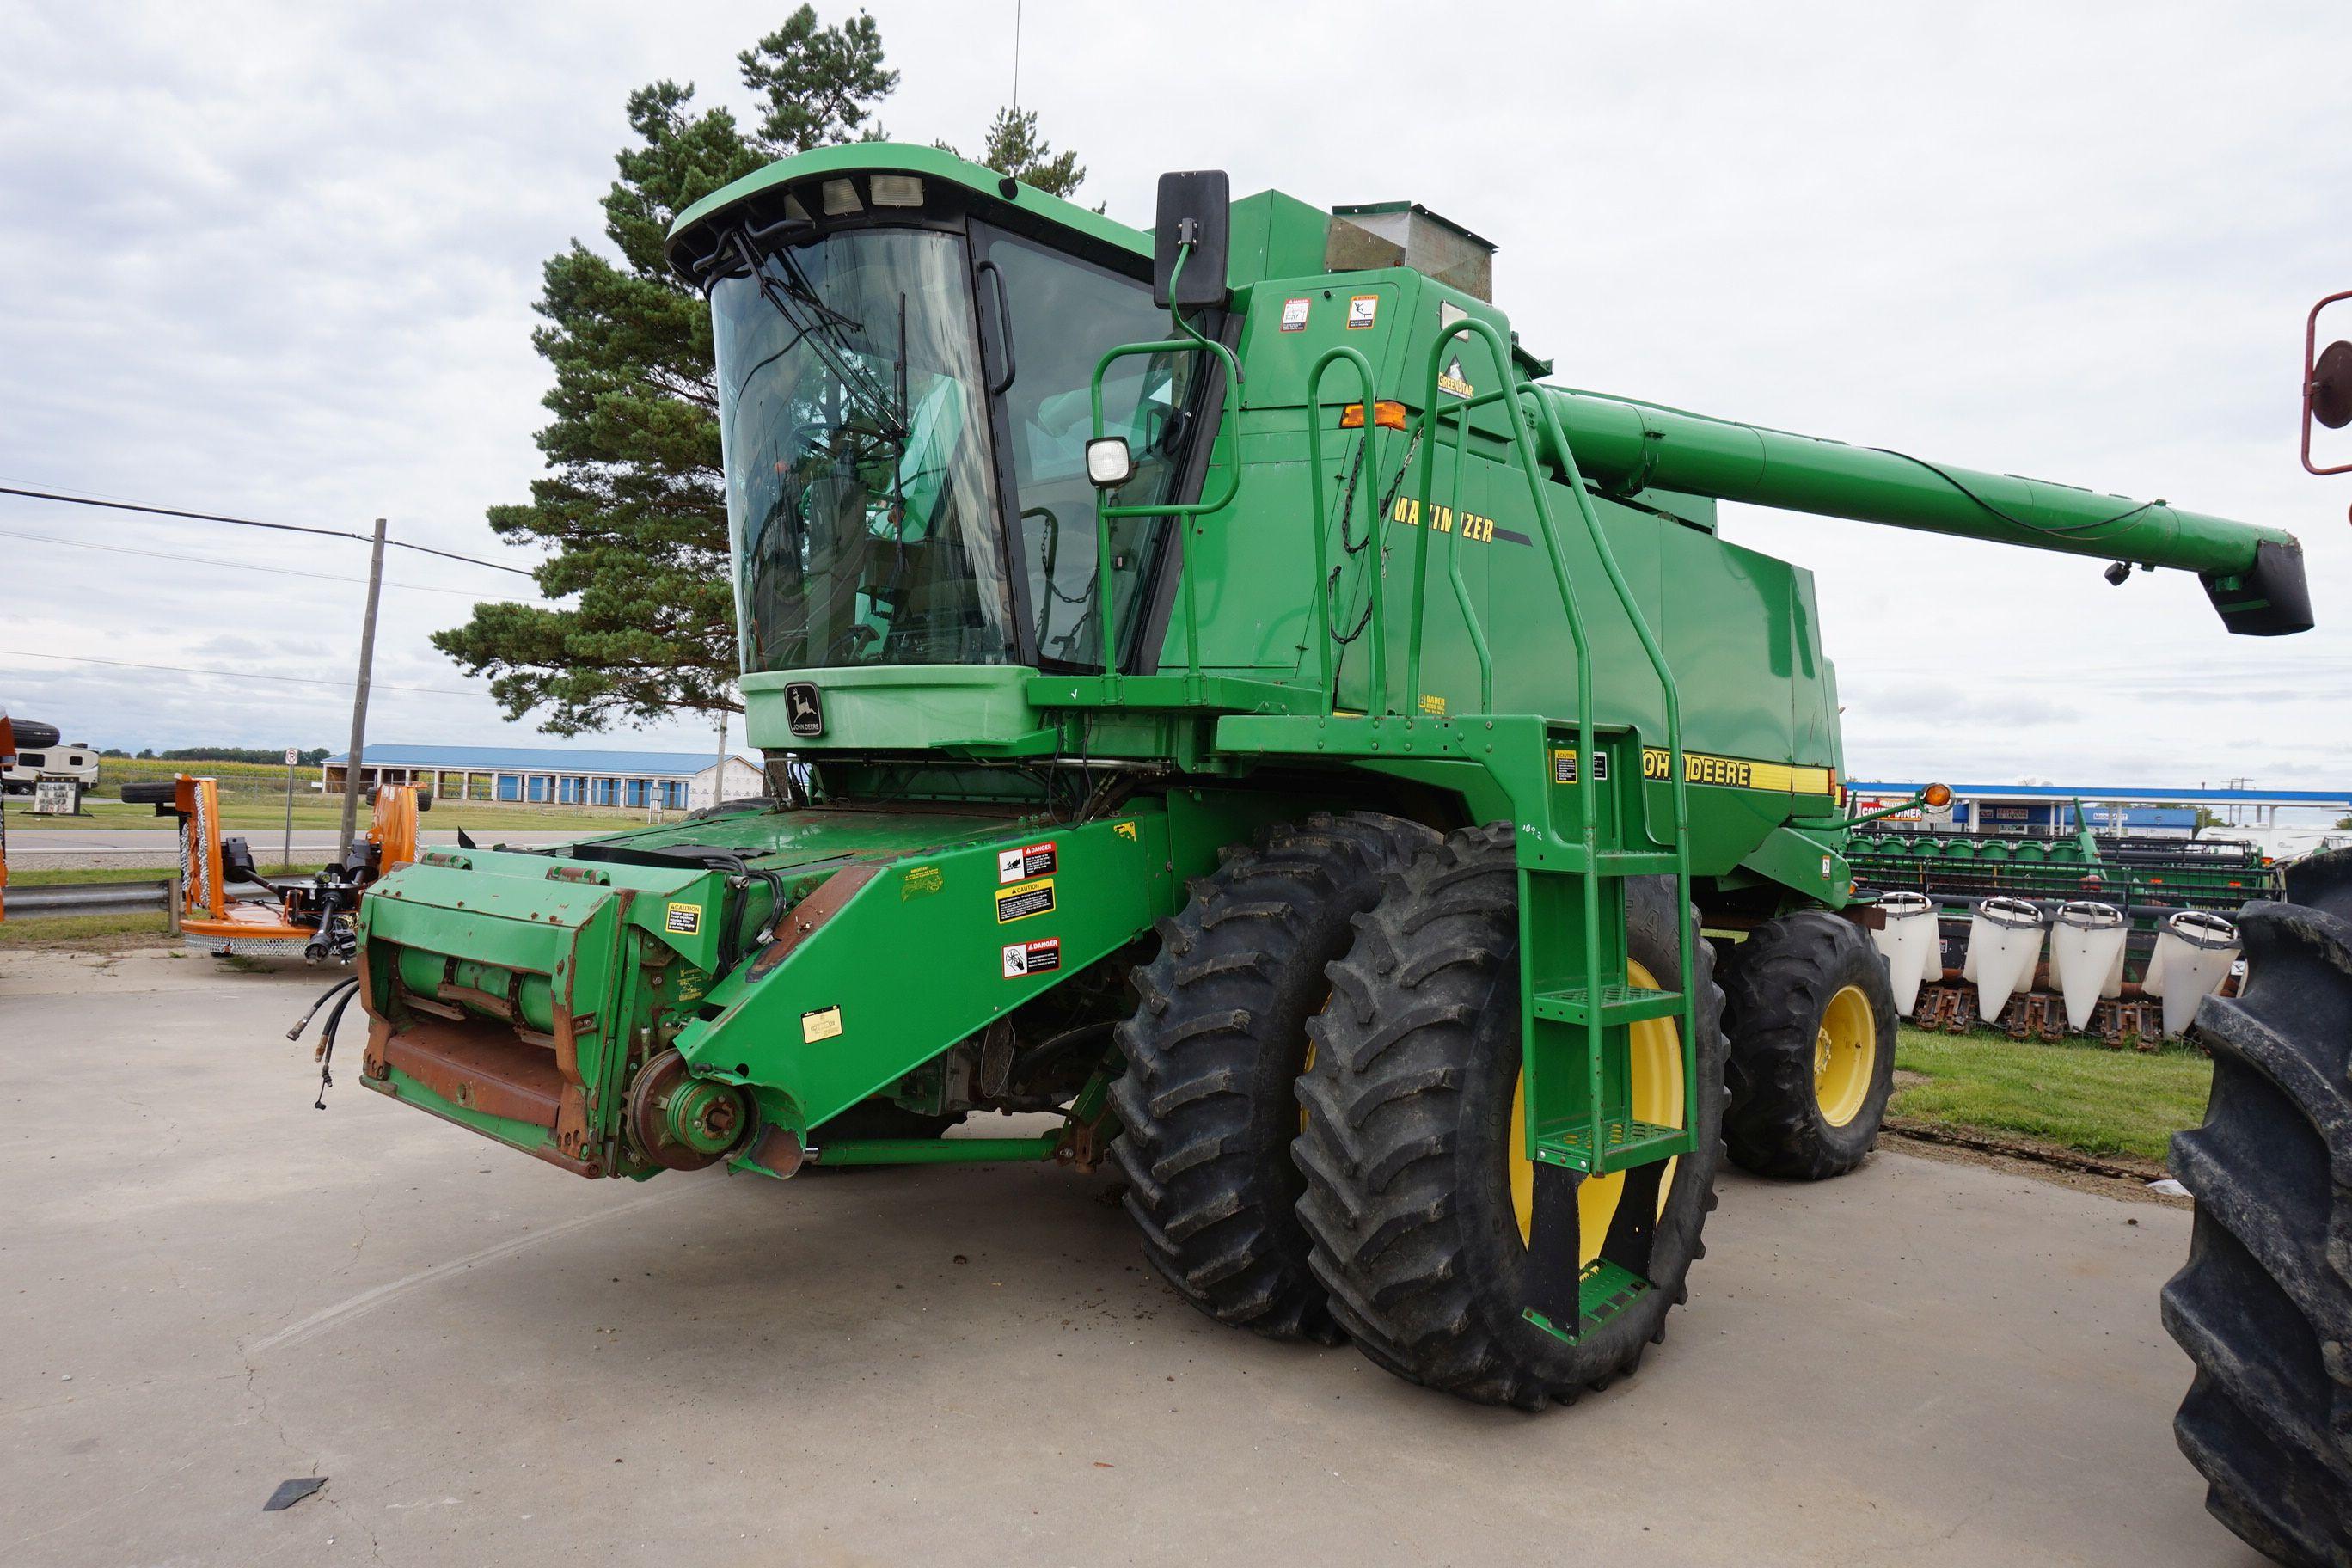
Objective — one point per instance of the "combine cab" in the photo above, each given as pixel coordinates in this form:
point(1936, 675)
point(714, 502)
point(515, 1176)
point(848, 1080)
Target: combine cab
point(1217, 692)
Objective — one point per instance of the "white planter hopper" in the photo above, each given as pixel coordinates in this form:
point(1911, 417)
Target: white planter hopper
point(2004, 944)
point(1911, 945)
point(2086, 956)
point(2194, 951)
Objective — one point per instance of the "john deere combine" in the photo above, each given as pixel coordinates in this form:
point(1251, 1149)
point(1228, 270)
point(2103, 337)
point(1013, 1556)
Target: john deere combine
point(1216, 692)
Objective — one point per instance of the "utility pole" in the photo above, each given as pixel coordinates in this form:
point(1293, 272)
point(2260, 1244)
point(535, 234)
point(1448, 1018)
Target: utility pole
point(357, 752)
point(718, 778)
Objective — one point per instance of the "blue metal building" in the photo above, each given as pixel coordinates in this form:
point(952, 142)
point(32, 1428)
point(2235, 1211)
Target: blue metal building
point(554, 775)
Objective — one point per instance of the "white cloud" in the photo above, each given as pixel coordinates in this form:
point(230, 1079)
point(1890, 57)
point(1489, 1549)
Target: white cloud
point(280, 261)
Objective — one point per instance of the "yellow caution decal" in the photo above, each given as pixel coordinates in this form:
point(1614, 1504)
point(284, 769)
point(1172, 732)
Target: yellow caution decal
point(1019, 902)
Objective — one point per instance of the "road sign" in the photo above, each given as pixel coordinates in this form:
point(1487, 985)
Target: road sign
point(292, 756)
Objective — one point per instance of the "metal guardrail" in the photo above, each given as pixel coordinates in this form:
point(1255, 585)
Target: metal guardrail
point(87, 898)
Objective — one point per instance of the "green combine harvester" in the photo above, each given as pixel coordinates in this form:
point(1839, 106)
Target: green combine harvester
point(1216, 692)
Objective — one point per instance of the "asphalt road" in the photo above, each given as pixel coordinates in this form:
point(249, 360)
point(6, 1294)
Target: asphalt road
point(206, 1287)
point(51, 849)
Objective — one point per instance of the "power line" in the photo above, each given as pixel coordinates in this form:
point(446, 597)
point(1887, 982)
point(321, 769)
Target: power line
point(245, 565)
point(230, 674)
point(250, 523)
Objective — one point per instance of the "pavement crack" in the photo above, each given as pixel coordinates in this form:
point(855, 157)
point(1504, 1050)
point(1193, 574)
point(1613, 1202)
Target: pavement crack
point(375, 1547)
point(366, 1203)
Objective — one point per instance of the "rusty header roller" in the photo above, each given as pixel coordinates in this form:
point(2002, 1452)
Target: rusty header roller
point(2253, 574)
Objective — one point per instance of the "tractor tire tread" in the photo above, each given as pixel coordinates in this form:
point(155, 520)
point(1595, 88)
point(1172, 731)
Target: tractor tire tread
point(2263, 1306)
point(1776, 985)
point(1399, 1055)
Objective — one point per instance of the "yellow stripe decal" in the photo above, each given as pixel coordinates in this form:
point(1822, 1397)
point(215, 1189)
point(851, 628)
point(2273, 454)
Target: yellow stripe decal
point(1724, 772)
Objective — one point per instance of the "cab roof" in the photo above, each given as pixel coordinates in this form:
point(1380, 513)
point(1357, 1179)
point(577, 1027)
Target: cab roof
point(692, 236)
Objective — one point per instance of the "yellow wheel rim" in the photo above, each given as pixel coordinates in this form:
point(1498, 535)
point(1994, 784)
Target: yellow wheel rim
point(1845, 1056)
point(1657, 1059)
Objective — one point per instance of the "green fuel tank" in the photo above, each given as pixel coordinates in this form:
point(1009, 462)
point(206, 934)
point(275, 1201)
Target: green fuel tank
point(2253, 574)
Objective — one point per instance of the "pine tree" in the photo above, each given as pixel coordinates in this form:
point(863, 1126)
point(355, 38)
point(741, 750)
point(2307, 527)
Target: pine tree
point(1015, 148)
point(636, 505)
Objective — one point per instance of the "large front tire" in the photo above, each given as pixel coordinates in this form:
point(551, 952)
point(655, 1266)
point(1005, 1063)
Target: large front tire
point(1810, 1016)
point(1418, 1195)
point(2264, 1305)
point(1208, 1103)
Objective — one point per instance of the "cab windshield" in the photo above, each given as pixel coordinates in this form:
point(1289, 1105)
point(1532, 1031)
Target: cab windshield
point(897, 495)
point(861, 506)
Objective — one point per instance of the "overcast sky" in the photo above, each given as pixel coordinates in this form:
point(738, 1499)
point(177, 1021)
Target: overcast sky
point(280, 261)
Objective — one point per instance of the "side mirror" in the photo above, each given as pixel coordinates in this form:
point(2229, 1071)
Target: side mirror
point(1195, 208)
point(1109, 462)
point(2329, 386)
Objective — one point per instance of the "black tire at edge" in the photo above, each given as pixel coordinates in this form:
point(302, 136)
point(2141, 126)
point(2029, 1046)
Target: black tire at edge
point(2263, 1306)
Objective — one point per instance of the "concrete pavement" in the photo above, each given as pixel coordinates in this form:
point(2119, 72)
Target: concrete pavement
point(206, 1287)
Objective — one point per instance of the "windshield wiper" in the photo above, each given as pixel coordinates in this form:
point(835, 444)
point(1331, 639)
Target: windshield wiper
point(829, 333)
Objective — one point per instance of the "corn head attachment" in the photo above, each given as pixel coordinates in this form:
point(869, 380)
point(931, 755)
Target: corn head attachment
point(722, 990)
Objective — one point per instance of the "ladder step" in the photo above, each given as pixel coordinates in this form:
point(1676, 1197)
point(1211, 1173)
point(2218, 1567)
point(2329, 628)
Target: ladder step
point(1603, 1290)
point(1623, 1142)
point(1619, 1004)
point(1638, 863)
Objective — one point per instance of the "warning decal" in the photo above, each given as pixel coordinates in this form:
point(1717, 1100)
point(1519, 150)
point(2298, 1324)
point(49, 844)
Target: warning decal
point(683, 919)
point(1027, 861)
point(1363, 309)
point(1018, 903)
point(1032, 957)
point(1563, 767)
point(1293, 315)
point(820, 1024)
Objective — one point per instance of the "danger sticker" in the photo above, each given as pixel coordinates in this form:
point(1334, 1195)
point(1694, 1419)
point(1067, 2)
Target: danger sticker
point(683, 919)
point(1293, 315)
point(1363, 309)
point(820, 1024)
point(1032, 957)
point(1027, 861)
point(1028, 898)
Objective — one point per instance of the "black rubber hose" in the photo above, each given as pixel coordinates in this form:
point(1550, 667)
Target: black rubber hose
point(296, 1032)
point(327, 1048)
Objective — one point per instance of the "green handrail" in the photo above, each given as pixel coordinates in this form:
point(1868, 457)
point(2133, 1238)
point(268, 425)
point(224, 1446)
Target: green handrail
point(1588, 777)
point(1677, 768)
point(1104, 512)
point(1192, 342)
point(1367, 473)
point(1586, 797)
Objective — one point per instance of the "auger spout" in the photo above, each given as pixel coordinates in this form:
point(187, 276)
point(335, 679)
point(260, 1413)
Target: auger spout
point(2253, 574)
